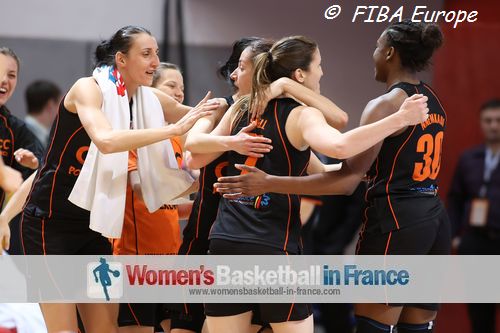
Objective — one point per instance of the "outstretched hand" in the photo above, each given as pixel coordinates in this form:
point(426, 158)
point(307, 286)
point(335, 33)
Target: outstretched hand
point(26, 158)
point(202, 109)
point(251, 144)
point(251, 182)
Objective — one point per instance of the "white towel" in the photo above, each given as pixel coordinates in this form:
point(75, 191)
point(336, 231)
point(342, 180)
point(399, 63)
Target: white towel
point(101, 185)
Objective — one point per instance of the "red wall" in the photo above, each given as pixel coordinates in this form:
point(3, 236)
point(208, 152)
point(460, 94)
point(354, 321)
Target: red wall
point(466, 73)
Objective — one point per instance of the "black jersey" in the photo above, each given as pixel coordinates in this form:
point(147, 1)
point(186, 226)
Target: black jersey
point(68, 147)
point(270, 219)
point(14, 135)
point(407, 168)
point(206, 203)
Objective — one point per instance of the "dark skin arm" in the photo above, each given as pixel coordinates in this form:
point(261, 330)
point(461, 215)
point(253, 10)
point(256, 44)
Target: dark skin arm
point(344, 181)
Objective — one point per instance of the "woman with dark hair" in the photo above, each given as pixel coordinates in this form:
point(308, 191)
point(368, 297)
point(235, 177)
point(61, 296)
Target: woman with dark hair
point(246, 227)
point(51, 223)
point(195, 234)
point(403, 214)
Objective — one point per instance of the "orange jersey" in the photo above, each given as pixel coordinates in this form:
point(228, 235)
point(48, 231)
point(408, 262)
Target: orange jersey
point(144, 232)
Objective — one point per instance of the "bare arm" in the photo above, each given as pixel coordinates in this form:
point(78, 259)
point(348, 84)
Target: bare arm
point(334, 116)
point(256, 182)
point(85, 99)
point(331, 142)
point(201, 137)
point(200, 141)
point(12, 208)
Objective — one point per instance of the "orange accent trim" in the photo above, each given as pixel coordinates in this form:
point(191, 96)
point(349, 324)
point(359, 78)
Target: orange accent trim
point(387, 244)
point(21, 231)
point(201, 201)
point(186, 308)
point(281, 137)
point(133, 314)
point(57, 169)
point(373, 181)
point(363, 227)
point(190, 245)
point(43, 237)
point(289, 174)
point(290, 312)
point(441, 105)
point(11, 138)
point(305, 169)
point(392, 173)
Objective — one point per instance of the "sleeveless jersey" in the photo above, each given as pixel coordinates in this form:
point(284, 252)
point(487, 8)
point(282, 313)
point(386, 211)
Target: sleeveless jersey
point(68, 147)
point(270, 219)
point(407, 168)
point(206, 203)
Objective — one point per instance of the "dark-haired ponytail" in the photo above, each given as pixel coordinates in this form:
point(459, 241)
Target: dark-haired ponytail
point(121, 41)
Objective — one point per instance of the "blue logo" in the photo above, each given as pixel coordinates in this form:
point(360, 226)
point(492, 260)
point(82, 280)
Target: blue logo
point(104, 280)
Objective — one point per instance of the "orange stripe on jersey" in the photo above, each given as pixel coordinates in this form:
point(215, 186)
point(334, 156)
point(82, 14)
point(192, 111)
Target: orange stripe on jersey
point(289, 174)
point(305, 169)
point(11, 137)
point(388, 242)
point(133, 314)
point(290, 312)
point(43, 236)
point(373, 181)
point(57, 169)
point(392, 173)
point(201, 202)
point(21, 231)
point(437, 99)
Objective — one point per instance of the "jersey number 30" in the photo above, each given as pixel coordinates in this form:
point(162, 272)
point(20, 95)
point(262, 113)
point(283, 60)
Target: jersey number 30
point(431, 148)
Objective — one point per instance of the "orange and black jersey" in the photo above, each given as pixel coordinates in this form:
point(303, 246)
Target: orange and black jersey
point(407, 167)
point(270, 219)
point(204, 211)
point(206, 203)
point(14, 135)
point(68, 147)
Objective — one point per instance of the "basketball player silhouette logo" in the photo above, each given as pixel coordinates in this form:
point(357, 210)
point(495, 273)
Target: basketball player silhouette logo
point(101, 274)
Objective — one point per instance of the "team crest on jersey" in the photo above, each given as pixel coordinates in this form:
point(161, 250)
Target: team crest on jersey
point(262, 201)
point(117, 79)
point(258, 202)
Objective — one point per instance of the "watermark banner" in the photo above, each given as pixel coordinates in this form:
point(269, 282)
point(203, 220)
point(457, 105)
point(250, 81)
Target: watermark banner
point(262, 279)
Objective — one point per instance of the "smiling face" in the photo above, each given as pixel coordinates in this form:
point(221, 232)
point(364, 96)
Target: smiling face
point(242, 75)
point(171, 83)
point(8, 77)
point(140, 62)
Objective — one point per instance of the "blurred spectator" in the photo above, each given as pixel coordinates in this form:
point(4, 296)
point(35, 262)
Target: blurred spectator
point(473, 204)
point(43, 98)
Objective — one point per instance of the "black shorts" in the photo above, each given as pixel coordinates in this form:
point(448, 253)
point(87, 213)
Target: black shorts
point(188, 317)
point(268, 312)
point(42, 236)
point(143, 314)
point(428, 237)
point(431, 237)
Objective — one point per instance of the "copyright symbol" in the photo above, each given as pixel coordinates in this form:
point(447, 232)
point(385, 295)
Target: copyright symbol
point(332, 12)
